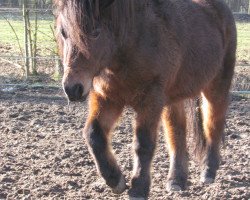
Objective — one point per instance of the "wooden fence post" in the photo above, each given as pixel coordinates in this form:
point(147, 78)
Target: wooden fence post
point(26, 47)
point(34, 53)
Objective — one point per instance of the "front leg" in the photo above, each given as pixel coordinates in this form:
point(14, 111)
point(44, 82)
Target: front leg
point(103, 114)
point(148, 115)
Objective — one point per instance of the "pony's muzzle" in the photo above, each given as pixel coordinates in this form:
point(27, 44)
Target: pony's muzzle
point(75, 92)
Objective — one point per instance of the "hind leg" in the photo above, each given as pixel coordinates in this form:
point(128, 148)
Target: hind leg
point(215, 103)
point(102, 117)
point(174, 121)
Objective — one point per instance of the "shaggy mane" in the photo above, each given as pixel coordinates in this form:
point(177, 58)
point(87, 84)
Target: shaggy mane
point(83, 19)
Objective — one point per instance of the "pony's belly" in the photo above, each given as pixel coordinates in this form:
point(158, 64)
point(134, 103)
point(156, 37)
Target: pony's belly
point(181, 95)
point(185, 88)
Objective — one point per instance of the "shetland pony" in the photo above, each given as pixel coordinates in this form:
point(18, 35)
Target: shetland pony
point(150, 55)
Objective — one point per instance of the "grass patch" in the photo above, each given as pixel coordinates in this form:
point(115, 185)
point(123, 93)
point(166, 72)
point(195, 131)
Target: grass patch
point(45, 38)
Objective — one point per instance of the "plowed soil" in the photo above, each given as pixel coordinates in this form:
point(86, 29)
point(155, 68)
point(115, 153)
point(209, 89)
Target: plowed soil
point(43, 155)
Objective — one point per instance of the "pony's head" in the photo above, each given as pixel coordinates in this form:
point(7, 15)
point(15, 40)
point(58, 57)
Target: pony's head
point(85, 43)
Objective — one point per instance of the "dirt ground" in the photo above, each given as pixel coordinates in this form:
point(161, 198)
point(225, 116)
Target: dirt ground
point(42, 154)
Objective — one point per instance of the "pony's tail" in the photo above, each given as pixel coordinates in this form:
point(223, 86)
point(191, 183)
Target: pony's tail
point(195, 127)
point(199, 137)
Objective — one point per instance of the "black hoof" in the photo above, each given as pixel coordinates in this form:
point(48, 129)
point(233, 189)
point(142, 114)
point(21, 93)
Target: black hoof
point(121, 187)
point(176, 185)
point(137, 198)
point(208, 175)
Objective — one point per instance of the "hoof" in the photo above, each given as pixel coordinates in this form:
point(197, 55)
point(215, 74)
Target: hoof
point(121, 187)
point(206, 180)
point(137, 198)
point(173, 187)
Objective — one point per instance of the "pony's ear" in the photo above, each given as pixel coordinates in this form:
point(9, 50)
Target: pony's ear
point(105, 3)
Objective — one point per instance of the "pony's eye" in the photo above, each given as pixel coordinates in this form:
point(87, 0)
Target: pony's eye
point(63, 33)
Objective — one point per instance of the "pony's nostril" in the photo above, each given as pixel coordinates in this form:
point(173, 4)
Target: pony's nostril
point(78, 90)
point(75, 92)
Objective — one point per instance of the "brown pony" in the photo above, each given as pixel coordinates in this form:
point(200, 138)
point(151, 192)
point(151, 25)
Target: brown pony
point(150, 55)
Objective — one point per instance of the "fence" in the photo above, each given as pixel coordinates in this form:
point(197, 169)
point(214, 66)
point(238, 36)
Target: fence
point(32, 42)
point(239, 6)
